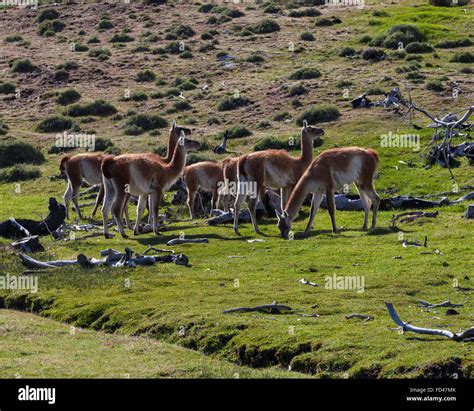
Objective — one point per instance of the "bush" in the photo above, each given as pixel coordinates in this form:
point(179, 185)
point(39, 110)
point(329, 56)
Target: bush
point(139, 123)
point(138, 96)
point(99, 53)
point(3, 128)
point(183, 32)
point(181, 105)
point(324, 22)
point(373, 54)
point(272, 143)
point(206, 8)
point(68, 65)
point(304, 13)
point(344, 83)
point(282, 116)
point(145, 76)
point(466, 57)
point(264, 27)
point(272, 9)
point(68, 96)
point(22, 66)
point(121, 38)
point(255, 58)
point(48, 27)
point(61, 75)
point(101, 144)
point(235, 132)
point(13, 38)
point(435, 85)
point(231, 103)
point(12, 153)
point(54, 124)
point(452, 44)
point(402, 33)
point(297, 90)
point(7, 88)
point(19, 172)
point(186, 55)
point(193, 158)
point(95, 108)
point(365, 39)
point(105, 24)
point(447, 3)
point(93, 40)
point(347, 52)
point(47, 14)
point(307, 36)
point(417, 47)
point(319, 114)
point(305, 74)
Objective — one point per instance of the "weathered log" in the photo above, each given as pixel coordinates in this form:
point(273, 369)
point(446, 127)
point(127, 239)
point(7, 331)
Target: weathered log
point(412, 216)
point(273, 308)
point(426, 304)
point(177, 241)
point(363, 317)
point(467, 335)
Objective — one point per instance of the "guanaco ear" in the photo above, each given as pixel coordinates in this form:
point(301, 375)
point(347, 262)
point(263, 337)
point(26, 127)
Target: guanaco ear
point(305, 124)
point(284, 214)
point(278, 214)
point(173, 127)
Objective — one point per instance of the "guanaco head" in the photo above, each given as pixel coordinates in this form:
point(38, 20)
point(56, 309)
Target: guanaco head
point(175, 131)
point(284, 223)
point(313, 132)
point(188, 143)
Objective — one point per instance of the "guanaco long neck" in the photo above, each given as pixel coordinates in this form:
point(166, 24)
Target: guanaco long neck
point(176, 165)
point(172, 141)
point(297, 197)
point(306, 148)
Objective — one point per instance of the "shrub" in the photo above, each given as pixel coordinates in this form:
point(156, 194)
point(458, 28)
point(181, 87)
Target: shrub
point(121, 38)
point(61, 75)
point(307, 36)
point(232, 103)
point(417, 47)
point(255, 58)
point(324, 22)
point(68, 96)
point(319, 114)
point(54, 124)
point(19, 172)
point(269, 143)
point(447, 3)
point(145, 76)
point(50, 26)
point(13, 38)
point(99, 53)
point(139, 123)
point(466, 57)
point(264, 26)
point(347, 52)
point(272, 9)
point(3, 128)
point(344, 83)
point(206, 8)
point(95, 108)
point(373, 54)
point(22, 66)
point(68, 65)
point(402, 33)
point(183, 32)
point(233, 13)
point(181, 105)
point(365, 39)
point(138, 96)
point(375, 91)
point(93, 40)
point(305, 74)
point(186, 55)
point(47, 14)
point(282, 116)
point(304, 13)
point(7, 88)
point(193, 158)
point(101, 144)
point(105, 24)
point(235, 132)
point(435, 85)
point(12, 153)
point(452, 44)
point(297, 90)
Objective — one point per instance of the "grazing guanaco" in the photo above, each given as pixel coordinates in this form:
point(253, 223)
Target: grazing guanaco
point(86, 167)
point(141, 175)
point(79, 168)
point(229, 171)
point(275, 169)
point(205, 175)
point(332, 170)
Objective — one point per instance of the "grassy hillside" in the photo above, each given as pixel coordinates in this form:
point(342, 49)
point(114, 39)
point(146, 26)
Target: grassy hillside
point(183, 305)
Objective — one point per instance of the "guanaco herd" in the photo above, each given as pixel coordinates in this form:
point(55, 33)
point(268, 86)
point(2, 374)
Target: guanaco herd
point(148, 175)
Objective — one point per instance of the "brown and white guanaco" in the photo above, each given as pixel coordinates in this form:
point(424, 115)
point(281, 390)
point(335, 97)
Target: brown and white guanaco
point(275, 169)
point(141, 175)
point(332, 170)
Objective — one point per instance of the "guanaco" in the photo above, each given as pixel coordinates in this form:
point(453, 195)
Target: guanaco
point(205, 175)
point(141, 175)
point(275, 169)
point(332, 170)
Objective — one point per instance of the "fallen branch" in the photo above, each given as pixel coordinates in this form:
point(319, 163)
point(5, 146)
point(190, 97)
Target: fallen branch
point(306, 282)
point(467, 335)
point(363, 317)
point(426, 304)
point(177, 241)
point(412, 216)
point(273, 308)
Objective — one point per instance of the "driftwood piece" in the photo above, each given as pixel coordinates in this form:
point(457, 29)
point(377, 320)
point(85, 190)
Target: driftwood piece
point(177, 241)
point(426, 304)
point(412, 216)
point(467, 335)
point(363, 317)
point(273, 308)
point(307, 282)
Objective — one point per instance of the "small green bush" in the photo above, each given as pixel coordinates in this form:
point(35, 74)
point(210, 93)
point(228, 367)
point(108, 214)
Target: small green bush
point(347, 52)
point(401, 33)
point(68, 96)
point(231, 103)
point(13, 38)
point(22, 66)
point(319, 114)
point(311, 12)
point(139, 123)
point(466, 57)
point(297, 90)
point(255, 58)
point(105, 24)
point(145, 76)
point(7, 88)
point(50, 26)
point(99, 53)
point(235, 132)
point(93, 40)
point(47, 14)
point(182, 31)
point(54, 124)
point(452, 44)
point(95, 108)
point(273, 143)
point(139, 96)
point(19, 172)
point(305, 74)
point(60, 75)
point(435, 85)
point(12, 153)
point(417, 47)
point(121, 38)
point(67, 65)
point(307, 36)
point(373, 54)
point(264, 27)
